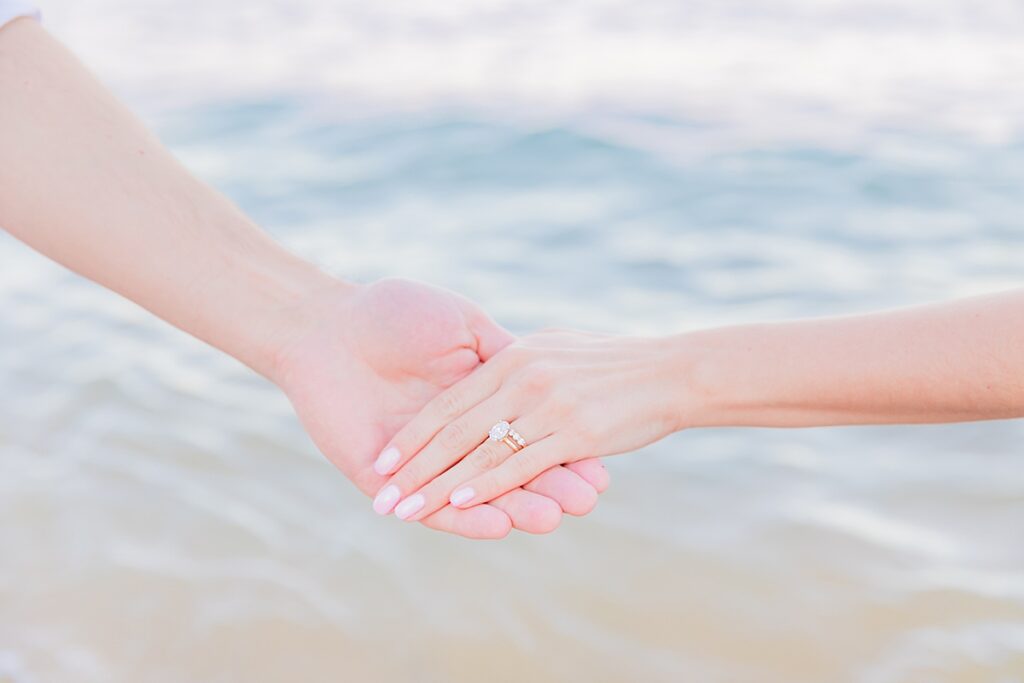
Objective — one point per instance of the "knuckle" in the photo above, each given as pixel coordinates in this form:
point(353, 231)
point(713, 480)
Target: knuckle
point(507, 360)
point(526, 464)
point(485, 458)
point(449, 405)
point(452, 437)
point(536, 379)
point(514, 354)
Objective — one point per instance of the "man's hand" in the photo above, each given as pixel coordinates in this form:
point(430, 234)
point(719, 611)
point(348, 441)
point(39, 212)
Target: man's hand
point(97, 192)
point(368, 358)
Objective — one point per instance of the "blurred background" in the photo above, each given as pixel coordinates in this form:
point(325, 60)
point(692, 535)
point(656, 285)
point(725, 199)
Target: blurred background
point(640, 166)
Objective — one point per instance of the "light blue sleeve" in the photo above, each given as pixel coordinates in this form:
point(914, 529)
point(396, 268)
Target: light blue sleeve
point(11, 9)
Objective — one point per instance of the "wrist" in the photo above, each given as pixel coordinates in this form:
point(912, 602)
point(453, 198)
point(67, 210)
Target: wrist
point(263, 300)
point(297, 307)
point(667, 364)
point(703, 372)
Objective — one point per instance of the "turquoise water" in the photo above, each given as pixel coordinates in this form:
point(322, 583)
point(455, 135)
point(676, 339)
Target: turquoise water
point(168, 520)
point(620, 238)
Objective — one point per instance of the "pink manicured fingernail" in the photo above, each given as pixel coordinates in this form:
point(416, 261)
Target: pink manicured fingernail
point(386, 460)
point(462, 496)
point(386, 499)
point(410, 506)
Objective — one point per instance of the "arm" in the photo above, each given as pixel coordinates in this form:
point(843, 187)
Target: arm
point(572, 395)
point(951, 362)
point(82, 181)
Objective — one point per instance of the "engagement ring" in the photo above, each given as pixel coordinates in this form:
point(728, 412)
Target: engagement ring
point(503, 432)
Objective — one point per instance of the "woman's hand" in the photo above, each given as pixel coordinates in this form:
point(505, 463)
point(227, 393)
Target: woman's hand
point(569, 395)
point(572, 395)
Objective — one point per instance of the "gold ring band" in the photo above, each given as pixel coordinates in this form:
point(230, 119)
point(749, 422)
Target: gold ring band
point(502, 431)
point(512, 443)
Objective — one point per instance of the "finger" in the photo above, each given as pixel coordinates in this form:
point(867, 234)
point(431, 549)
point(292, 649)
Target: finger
point(570, 491)
point(434, 495)
point(529, 512)
point(593, 471)
point(490, 336)
point(479, 522)
point(513, 472)
point(441, 410)
point(448, 446)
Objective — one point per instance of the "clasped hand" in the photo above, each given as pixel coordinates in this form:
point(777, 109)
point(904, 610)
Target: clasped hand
point(570, 396)
point(369, 358)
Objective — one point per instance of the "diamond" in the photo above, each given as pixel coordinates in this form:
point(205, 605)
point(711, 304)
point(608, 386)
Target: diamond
point(499, 431)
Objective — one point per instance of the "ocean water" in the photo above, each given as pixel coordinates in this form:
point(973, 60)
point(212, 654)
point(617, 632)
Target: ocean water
point(643, 167)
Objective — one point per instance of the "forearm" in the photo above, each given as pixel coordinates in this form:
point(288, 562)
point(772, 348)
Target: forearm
point(82, 181)
point(951, 362)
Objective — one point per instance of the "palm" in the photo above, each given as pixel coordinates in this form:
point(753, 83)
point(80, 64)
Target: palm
point(372, 361)
point(372, 365)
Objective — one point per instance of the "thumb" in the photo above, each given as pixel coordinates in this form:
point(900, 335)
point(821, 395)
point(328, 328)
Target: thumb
point(490, 336)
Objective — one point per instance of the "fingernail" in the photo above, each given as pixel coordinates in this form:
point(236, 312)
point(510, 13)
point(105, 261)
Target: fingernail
point(463, 495)
point(410, 506)
point(386, 499)
point(386, 460)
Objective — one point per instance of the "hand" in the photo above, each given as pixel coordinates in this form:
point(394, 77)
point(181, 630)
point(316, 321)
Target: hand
point(570, 395)
point(98, 193)
point(368, 358)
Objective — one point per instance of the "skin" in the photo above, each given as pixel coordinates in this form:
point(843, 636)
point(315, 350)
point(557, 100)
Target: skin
point(568, 393)
point(83, 182)
point(355, 401)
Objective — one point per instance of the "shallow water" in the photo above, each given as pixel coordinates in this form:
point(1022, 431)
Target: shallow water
point(164, 518)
